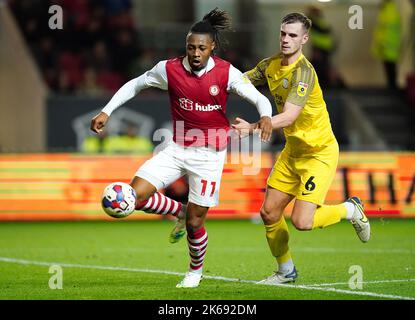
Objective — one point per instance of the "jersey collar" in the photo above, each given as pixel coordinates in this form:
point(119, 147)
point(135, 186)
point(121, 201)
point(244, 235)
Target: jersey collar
point(291, 64)
point(209, 66)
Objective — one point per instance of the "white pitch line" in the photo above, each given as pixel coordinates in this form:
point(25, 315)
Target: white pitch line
point(305, 287)
point(366, 250)
point(363, 282)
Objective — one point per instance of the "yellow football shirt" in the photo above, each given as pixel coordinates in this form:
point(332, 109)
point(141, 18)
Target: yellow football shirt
point(297, 83)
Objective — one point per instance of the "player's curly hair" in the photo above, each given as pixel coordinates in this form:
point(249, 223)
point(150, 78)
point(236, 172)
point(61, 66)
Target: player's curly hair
point(213, 23)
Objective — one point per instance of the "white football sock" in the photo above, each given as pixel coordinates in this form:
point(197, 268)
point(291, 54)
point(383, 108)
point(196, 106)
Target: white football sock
point(286, 266)
point(350, 207)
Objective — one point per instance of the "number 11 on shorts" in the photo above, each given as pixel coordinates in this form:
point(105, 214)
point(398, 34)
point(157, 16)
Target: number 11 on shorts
point(204, 186)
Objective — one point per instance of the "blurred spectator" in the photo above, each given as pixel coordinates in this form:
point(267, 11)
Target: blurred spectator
point(117, 6)
point(127, 143)
point(45, 53)
point(122, 20)
point(236, 59)
point(72, 65)
point(386, 39)
point(322, 45)
point(93, 53)
point(31, 16)
point(109, 81)
point(131, 142)
point(95, 143)
point(65, 85)
point(89, 85)
point(98, 49)
point(99, 57)
point(92, 32)
point(143, 63)
point(126, 50)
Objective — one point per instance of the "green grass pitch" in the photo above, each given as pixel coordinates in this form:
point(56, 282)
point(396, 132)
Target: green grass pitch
point(134, 260)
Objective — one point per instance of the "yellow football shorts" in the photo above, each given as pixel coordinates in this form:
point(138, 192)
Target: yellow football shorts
point(307, 178)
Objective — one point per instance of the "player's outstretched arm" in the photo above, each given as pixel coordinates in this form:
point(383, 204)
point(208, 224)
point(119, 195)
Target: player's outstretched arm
point(125, 93)
point(155, 77)
point(242, 86)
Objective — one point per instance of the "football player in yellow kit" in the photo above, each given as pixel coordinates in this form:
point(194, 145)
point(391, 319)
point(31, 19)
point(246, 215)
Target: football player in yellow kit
point(307, 165)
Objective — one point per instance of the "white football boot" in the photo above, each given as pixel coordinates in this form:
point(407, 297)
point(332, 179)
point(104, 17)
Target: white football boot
point(280, 277)
point(359, 220)
point(190, 280)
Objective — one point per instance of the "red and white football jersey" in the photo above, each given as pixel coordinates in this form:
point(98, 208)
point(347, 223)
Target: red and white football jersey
point(198, 104)
point(198, 99)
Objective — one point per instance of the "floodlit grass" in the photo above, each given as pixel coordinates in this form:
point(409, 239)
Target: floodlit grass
point(134, 260)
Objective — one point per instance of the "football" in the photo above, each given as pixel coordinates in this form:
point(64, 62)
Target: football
point(118, 200)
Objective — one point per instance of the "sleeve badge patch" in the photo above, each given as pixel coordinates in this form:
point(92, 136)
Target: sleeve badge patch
point(302, 89)
point(285, 83)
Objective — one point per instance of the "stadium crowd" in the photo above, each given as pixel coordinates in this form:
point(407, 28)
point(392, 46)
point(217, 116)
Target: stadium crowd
point(95, 51)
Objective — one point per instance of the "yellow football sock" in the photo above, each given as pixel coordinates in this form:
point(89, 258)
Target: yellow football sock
point(277, 237)
point(328, 215)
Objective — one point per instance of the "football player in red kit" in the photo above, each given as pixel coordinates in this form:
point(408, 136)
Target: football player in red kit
point(198, 85)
